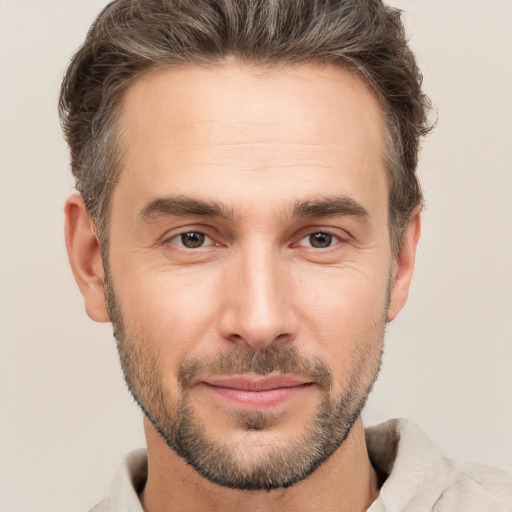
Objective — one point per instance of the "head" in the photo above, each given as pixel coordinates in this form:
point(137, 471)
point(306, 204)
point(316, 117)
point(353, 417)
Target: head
point(249, 212)
point(131, 38)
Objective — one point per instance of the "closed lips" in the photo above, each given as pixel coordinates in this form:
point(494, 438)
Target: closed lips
point(245, 383)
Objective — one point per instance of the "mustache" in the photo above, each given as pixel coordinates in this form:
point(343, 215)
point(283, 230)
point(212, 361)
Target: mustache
point(276, 358)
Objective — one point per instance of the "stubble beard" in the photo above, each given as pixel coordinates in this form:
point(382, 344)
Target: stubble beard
point(277, 466)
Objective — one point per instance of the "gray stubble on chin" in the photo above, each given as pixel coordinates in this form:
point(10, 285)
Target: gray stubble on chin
point(278, 466)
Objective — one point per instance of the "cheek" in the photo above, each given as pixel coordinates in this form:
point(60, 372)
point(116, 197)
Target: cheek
point(169, 313)
point(340, 297)
point(344, 314)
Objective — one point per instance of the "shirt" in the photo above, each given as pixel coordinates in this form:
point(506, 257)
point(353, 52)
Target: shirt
point(418, 477)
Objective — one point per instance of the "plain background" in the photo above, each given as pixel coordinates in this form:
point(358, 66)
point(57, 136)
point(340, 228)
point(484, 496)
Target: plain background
point(65, 417)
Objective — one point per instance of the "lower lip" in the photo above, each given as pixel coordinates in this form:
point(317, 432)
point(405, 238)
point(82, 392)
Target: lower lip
point(260, 399)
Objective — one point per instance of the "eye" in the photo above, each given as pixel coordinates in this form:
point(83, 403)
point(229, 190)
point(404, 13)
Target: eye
point(319, 240)
point(191, 239)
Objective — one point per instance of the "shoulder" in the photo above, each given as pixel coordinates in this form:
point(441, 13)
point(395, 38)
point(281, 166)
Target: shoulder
point(476, 487)
point(128, 481)
point(418, 477)
point(103, 506)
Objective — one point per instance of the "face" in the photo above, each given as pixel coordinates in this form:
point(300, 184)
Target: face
point(250, 264)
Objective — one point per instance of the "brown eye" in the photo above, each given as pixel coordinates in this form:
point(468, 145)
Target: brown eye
point(191, 240)
point(320, 240)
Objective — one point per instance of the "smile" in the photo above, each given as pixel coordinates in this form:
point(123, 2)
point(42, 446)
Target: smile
point(256, 393)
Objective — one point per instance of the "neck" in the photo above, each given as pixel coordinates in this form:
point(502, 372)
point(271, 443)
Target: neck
point(346, 482)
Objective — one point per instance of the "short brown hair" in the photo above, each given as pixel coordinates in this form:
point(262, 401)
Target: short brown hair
point(131, 37)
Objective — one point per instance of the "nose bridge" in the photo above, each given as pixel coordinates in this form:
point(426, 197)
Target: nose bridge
point(259, 306)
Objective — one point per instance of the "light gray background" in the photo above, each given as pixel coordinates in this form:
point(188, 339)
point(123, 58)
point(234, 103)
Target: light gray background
point(65, 418)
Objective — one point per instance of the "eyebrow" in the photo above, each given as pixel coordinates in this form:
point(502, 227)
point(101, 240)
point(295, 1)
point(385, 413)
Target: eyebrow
point(181, 205)
point(325, 207)
point(164, 206)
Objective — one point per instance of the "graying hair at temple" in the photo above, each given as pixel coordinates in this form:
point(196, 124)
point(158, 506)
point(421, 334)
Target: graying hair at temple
point(133, 37)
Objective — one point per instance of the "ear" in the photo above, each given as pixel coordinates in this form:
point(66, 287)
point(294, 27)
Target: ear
point(84, 256)
point(403, 266)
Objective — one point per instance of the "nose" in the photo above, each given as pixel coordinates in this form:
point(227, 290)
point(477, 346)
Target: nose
point(258, 306)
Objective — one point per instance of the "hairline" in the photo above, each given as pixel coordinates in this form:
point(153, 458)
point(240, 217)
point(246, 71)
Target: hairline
point(113, 135)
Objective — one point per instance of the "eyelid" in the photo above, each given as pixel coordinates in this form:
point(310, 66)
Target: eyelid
point(169, 236)
point(339, 234)
point(336, 240)
point(177, 239)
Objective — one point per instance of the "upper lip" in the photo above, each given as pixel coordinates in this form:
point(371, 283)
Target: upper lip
point(256, 382)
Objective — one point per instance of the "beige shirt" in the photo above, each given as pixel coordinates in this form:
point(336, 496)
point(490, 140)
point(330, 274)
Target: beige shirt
point(420, 478)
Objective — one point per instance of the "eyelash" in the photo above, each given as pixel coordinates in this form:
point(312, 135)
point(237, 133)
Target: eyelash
point(177, 236)
point(336, 239)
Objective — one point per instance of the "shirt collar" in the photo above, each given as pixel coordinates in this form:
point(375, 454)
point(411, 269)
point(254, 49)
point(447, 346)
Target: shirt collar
point(416, 472)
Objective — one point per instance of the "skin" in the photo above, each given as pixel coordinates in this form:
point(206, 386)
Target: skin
point(256, 141)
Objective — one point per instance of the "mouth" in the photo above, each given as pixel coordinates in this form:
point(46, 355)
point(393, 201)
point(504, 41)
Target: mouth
point(256, 393)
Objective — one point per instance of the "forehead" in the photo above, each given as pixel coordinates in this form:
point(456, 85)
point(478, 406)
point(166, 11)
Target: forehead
point(203, 99)
point(250, 125)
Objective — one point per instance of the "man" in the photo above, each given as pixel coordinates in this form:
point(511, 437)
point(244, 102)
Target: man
point(247, 220)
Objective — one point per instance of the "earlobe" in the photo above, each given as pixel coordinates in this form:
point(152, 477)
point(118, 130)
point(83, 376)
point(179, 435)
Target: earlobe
point(84, 256)
point(403, 267)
